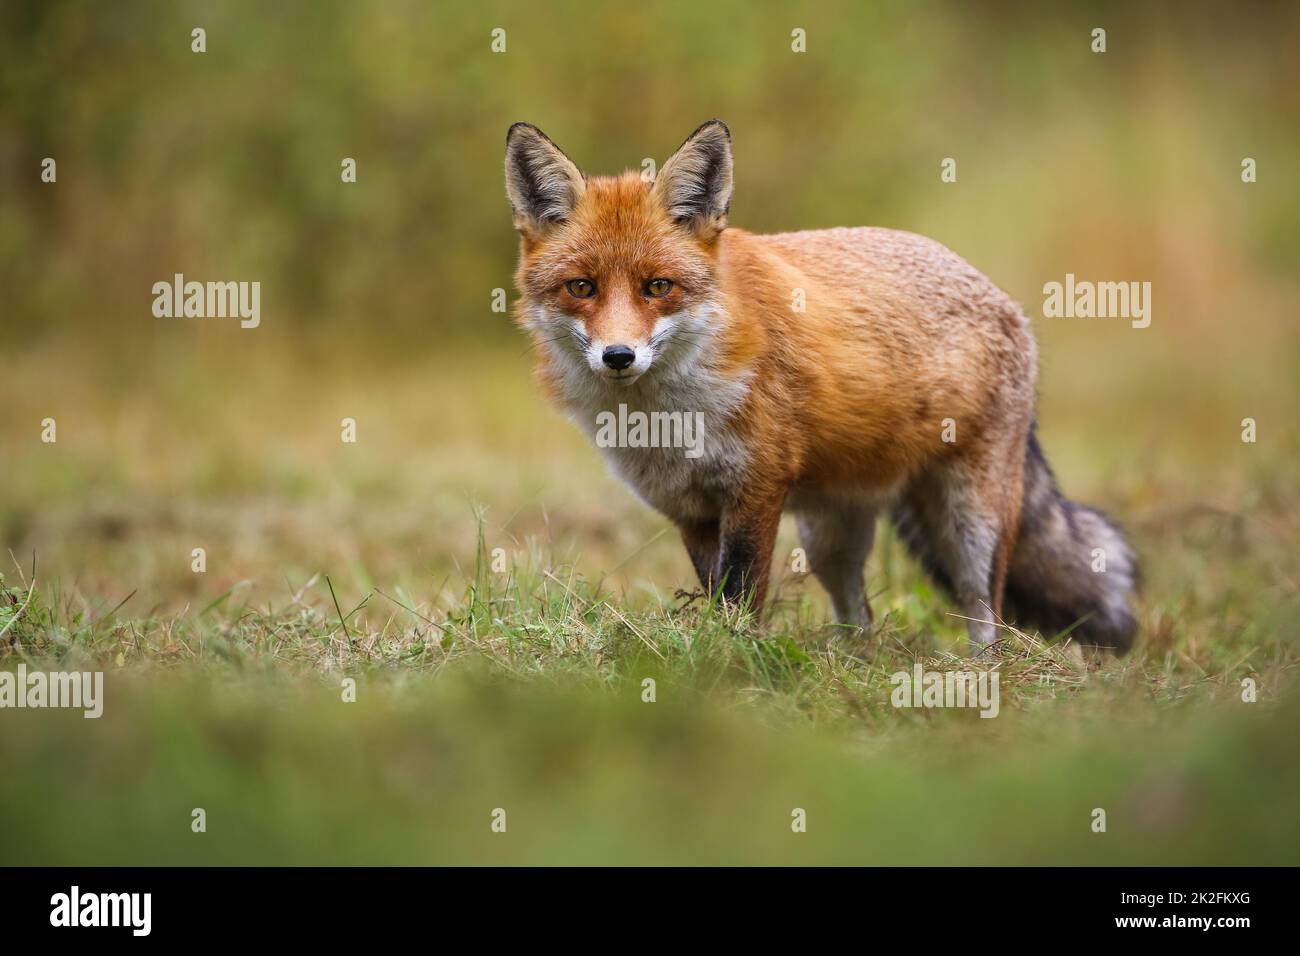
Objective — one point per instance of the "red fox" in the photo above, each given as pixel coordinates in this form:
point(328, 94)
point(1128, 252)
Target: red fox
point(838, 373)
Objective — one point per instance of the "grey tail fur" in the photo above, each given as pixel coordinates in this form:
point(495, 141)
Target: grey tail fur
point(1055, 580)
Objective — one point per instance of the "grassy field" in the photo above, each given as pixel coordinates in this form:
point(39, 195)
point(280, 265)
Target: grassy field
point(522, 689)
point(499, 600)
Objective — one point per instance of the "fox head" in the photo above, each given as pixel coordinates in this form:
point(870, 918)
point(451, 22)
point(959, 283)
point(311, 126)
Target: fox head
point(618, 274)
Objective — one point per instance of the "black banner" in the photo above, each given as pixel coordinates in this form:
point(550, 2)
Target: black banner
point(363, 904)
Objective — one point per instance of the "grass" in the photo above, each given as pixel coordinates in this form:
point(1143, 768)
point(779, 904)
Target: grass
point(522, 688)
point(530, 697)
point(500, 603)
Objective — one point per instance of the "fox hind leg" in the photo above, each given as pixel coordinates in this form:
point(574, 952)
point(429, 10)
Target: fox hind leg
point(961, 520)
point(837, 537)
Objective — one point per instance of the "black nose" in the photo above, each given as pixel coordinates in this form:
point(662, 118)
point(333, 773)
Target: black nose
point(618, 357)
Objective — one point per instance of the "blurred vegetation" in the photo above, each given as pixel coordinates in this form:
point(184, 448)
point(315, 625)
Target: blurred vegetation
point(292, 776)
point(226, 163)
point(180, 433)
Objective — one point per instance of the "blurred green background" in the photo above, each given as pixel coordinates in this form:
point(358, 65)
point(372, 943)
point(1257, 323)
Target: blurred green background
point(376, 305)
point(226, 163)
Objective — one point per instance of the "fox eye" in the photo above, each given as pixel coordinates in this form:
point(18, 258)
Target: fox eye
point(581, 288)
point(658, 288)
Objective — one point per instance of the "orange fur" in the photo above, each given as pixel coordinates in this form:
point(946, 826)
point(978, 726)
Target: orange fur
point(846, 392)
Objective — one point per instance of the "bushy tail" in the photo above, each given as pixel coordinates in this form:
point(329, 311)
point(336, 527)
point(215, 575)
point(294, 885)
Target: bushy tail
point(1071, 567)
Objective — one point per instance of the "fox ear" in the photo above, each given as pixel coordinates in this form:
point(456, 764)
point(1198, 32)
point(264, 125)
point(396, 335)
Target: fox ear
point(695, 183)
point(542, 183)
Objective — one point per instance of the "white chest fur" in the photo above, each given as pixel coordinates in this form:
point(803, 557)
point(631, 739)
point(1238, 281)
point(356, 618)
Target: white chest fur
point(687, 479)
point(683, 472)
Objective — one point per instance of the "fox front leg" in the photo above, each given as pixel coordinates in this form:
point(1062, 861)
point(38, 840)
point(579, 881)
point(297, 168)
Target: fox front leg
point(748, 535)
point(702, 541)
